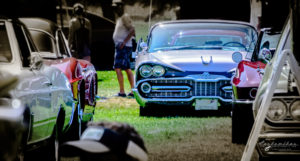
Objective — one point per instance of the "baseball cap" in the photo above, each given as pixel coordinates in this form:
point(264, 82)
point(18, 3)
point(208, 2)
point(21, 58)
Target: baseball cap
point(78, 8)
point(116, 2)
point(99, 142)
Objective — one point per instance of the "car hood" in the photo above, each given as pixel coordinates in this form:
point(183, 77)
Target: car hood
point(197, 60)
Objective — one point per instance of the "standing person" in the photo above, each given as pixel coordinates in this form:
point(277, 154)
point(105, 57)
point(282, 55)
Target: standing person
point(80, 34)
point(123, 34)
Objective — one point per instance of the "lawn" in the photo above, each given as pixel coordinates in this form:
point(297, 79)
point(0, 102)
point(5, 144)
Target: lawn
point(168, 138)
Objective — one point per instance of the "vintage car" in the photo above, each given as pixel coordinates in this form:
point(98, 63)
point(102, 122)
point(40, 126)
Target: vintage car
point(190, 63)
point(280, 134)
point(45, 90)
point(55, 51)
point(245, 82)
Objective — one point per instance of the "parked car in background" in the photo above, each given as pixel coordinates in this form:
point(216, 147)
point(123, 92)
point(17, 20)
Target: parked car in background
point(190, 63)
point(45, 90)
point(54, 49)
point(245, 82)
point(280, 134)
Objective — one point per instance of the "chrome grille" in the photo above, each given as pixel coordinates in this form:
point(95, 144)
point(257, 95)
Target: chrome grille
point(195, 88)
point(212, 89)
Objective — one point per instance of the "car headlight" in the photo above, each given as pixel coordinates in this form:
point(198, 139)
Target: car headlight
point(295, 110)
point(237, 57)
point(158, 71)
point(145, 71)
point(146, 87)
point(277, 110)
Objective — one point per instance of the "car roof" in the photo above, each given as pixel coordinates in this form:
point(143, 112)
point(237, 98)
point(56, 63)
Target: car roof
point(205, 21)
point(41, 24)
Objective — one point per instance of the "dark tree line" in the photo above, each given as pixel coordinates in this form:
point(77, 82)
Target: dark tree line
point(189, 9)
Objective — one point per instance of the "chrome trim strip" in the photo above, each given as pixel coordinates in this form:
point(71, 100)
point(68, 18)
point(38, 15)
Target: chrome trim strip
point(170, 88)
point(227, 89)
point(243, 101)
point(280, 135)
point(184, 79)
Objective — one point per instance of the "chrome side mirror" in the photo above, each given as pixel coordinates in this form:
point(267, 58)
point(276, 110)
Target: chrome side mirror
point(265, 54)
point(36, 61)
point(144, 46)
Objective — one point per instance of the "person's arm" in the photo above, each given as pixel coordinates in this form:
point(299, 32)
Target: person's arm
point(132, 33)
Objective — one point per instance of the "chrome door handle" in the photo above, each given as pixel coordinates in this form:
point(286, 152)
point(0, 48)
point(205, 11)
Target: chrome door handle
point(48, 83)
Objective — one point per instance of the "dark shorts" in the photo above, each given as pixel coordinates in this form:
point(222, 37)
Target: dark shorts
point(122, 57)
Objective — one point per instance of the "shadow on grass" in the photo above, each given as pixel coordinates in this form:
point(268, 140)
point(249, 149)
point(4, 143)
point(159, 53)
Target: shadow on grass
point(185, 112)
point(100, 80)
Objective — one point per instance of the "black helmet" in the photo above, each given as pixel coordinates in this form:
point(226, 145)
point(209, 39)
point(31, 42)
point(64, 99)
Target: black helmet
point(78, 9)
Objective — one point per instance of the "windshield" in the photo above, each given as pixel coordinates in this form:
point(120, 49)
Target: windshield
point(268, 40)
point(217, 36)
point(5, 51)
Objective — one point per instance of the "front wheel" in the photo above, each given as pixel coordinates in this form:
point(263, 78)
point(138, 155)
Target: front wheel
point(57, 137)
point(144, 111)
point(75, 129)
point(242, 122)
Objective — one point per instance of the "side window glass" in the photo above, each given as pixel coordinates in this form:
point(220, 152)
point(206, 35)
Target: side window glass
point(30, 41)
point(62, 45)
point(23, 45)
point(5, 50)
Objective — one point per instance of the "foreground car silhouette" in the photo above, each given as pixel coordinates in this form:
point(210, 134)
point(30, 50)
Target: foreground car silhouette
point(45, 90)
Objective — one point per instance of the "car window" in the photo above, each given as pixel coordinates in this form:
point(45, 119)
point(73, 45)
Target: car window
point(30, 41)
point(62, 45)
point(269, 41)
point(5, 50)
point(45, 43)
point(23, 45)
point(218, 36)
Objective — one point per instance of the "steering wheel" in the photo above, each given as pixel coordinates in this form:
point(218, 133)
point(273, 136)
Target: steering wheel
point(234, 42)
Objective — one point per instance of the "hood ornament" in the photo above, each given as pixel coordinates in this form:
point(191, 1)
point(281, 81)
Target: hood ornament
point(205, 75)
point(206, 63)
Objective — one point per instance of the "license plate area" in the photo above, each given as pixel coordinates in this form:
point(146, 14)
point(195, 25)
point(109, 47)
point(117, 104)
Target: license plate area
point(206, 104)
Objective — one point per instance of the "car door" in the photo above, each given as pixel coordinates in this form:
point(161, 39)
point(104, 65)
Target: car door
point(36, 86)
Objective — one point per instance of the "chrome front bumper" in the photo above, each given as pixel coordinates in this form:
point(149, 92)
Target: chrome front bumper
point(183, 90)
point(242, 101)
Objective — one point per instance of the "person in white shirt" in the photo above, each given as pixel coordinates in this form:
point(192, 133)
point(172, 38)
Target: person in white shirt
point(122, 36)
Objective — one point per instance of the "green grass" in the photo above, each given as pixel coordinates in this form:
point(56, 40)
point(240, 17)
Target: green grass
point(169, 138)
point(108, 83)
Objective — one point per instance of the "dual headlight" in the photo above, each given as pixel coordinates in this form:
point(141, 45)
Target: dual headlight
point(278, 110)
point(148, 71)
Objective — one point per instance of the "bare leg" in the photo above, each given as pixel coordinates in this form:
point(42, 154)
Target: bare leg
point(120, 80)
point(130, 77)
